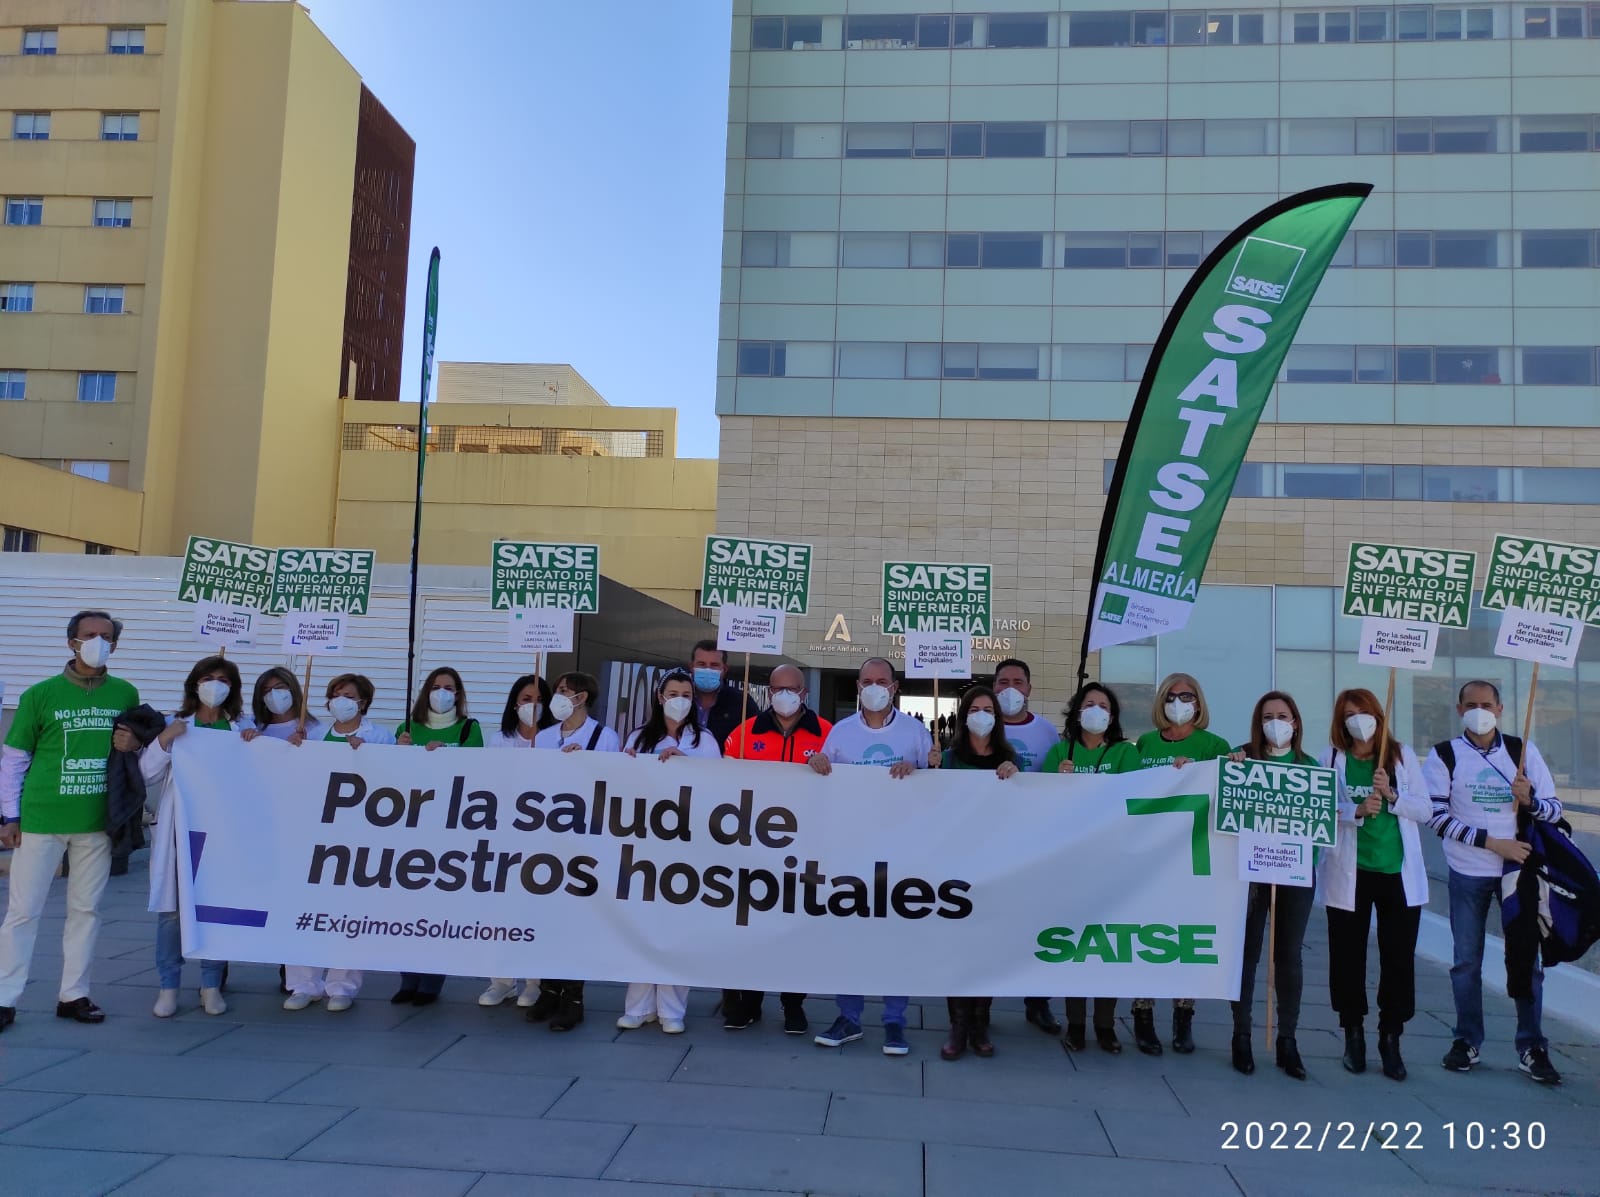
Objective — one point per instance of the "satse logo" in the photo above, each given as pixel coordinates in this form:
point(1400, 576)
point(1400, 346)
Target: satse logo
point(1264, 270)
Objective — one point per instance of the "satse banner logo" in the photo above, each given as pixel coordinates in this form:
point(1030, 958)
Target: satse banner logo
point(1264, 270)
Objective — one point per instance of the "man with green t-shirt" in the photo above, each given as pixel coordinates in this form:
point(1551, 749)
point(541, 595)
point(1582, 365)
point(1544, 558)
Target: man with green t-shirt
point(53, 801)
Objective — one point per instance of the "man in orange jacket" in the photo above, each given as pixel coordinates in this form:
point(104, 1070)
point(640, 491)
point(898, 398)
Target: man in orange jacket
point(787, 731)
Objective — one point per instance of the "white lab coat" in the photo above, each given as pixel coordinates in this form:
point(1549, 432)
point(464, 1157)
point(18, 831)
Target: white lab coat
point(1336, 875)
point(156, 765)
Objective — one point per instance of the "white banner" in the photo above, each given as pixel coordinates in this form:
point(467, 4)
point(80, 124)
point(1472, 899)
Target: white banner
point(938, 654)
point(1400, 643)
point(313, 633)
point(539, 630)
point(750, 630)
point(1538, 636)
point(710, 873)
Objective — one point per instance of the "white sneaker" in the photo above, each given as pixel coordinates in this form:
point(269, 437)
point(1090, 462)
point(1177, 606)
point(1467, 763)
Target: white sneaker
point(338, 1005)
point(632, 1022)
point(671, 1026)
point(298, 1001)
point(212, 1002)
point(166, 1004)
point(497, 992)
point(529, 994)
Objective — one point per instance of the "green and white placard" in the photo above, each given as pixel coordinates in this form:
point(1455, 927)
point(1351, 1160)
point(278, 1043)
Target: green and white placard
point(322, 580)
point(1403, 582)
point(1271, 798)
point(529, 573)
point(751, 571)
point(1548, 576)
point(927, 596)
point(227, 573)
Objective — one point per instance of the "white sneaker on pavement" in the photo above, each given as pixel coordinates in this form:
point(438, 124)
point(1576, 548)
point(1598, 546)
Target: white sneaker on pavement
point(672, 1026)
point(497, 992)
point(632, 1022)
point(166, 1004)
point(338, 1005)
point(212, 1002)
point(298, 1001)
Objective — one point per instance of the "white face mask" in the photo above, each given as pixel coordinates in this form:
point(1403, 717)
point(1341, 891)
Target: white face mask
point(528, 714)
point(1094, 719)
point(1279, 732)
point(561, 707)
point(279, 701)
point(677, 708)
point(344, 708)
point(1361, 727)
point(441, 701)
point(1479, 721)
point(1179, 712)
point(94, 652)
point(981, 723)
point(213, 693)
point(785, 702)
point(1011, 702)
point(875, 698)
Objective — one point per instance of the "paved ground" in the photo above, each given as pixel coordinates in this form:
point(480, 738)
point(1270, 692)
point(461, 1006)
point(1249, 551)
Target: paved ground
point(457, 1099)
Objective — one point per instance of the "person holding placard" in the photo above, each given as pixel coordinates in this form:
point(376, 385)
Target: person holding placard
point(438, 719)
point(527, 713)
point(721, 703)
point(1375, 866)
point(275, 705)
point(1276, 735)
point(1481, 783)
point(1180, 736)
point(574, 730)
point(213, 700)
point(980, 743)
point(1093, 742)
point(787, 731)
point(880, 735)
point(673, 729)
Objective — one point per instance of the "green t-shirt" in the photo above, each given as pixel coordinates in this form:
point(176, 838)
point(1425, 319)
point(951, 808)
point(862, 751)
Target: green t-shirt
point(422, 734)
point(1198, 745)
point(67, 728)
point(1378, 846)
point(1122, 757)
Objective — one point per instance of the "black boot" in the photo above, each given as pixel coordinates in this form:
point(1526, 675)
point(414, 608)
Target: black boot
point(570, 1012)
point(1183, 1029)
point(1355, 1049)
point(549, 1001)
point(1389, 1051)
point(1106, 1037)
point(1037, 1011)
point(1244, 1059)
point(1144, 1032)
point(978, 1034)
point(1074, 1040)
point(1289, 1057)
point(960, 1013)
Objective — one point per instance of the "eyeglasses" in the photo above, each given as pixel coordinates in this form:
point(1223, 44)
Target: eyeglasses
point(1183, 696)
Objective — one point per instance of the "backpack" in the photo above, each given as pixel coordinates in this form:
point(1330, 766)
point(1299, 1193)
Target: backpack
point(1550, 904)
point(1447, 753)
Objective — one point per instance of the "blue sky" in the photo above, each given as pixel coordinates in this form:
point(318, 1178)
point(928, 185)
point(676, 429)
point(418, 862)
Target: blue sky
point(570, 169)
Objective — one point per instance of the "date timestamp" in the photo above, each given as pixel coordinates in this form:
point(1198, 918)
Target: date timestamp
point(1382, 1136)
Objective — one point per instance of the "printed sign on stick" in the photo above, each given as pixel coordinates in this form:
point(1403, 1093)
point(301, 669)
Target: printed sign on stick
point(753, 572)
point(313, 633)
point(226, 572)
point(1397, 644)
point(334, 580)
point(1416, 585)
point(1275, 860)
point(223, 626)
point(1271, 798)
point(926, 596)
point(528, 573)
point(1544, 576)
point(938, 655)
point(750, 630)
point(540, 630)
point(1538, 636)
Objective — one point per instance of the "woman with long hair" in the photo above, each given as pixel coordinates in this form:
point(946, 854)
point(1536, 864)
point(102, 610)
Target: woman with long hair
point(1374, 866)
point(978, 742)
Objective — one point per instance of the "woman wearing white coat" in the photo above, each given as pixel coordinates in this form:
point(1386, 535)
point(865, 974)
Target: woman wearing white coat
point(673, 729)
point(349, 698)
point(527, 713)
point(1375, 865)
point(211, 701)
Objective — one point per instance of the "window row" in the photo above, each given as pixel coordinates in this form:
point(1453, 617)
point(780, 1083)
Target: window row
point(1450, 365)
point(1231, 137)
point(114, 126)
point(1412, 483)
point(18, 540)
point(106, 300)
point(1441, 249)
point(120, 39)
point(1161, 27)
point(106, 213)
point(93, 387)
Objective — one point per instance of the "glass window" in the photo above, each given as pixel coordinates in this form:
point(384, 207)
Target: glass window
point(1320, 363)
point(764, 141)
point(20, 540)
point(929, 141)
point(1480, 24)
point(766, 33)
point(872, 359)
point(125, 41)
point(1374, 248)
point(1219, 29)
point(880, 32)
point(961, 249)
point(1372, 24)
point(1447, 24)
point(803, 32)
point(1336, 26)
point(759, 249)
point(113, 213)
point(1183, 251)
point(878, 141)
point(1149, 29)
point(1144, 250)
point(119, 126)
point(1013, 251)
point(1411, 24)
point(1569, 21)
point(1147, 137)
point(966, 140)
point(1091, 363)
point(28, 209)
point(1563, 367)
point(1008, 361)
point(1413, 364)
point(1344, 255)
point(13, 384)
point(922, 360)
point(1307, 27)
point(1413, 249)
point(1302, 481)
point(1252, 28)
point(1553, 134)
point(98, 550)
point(1464, 135)
point(16, 297)
point(1557, 484)
point(1558, 248)
point(99, 471)
point(756, 359)
point(1536, 22)
point(102, 301)
point(1461, 251)
point(1188, 29)
point(1251, 482)
point(1234, 138)
point(1374, 363)
point(1097, 139)
point(1135, 359)
point(1413, 135)
point(1466, 365)
point(933, 32)
point(1095, 251)
point(38, 41)
point(961, 30)
point(1331, 135)
point(97, 388)
point(1012, 30)
point(1462, 484)
point(873, 249)
point(927, 251)
point(1024, 139)
point(961, 361)
point(31, 126)
point(1104, 28)
point(1374, 135)
point(1186, 138)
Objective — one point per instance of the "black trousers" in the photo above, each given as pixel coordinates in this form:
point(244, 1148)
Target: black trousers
point(736, 1001)
point(422, 982)
point(1105, 1012)
point(1294, 912)
point(1385, 894)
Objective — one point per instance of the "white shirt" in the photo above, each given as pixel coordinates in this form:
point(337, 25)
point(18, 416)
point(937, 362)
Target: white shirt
point(1032, 741)
point(706, 747)
point(516, 739)
point(1477, 797)
point(554, 737)
point(282, 731)
point(902, 738)
point(368, 733)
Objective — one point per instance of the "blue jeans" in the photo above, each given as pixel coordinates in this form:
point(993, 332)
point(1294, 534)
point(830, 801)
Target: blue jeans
point(169, 956)
point(1469, 914)
point(894, 1008)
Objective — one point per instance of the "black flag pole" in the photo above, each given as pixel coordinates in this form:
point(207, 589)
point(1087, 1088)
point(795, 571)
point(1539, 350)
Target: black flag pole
point(430, 326)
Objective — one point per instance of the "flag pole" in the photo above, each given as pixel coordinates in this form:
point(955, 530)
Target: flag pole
point(430, 325)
